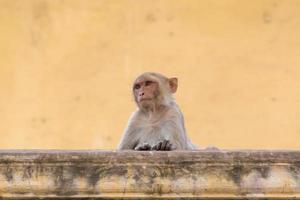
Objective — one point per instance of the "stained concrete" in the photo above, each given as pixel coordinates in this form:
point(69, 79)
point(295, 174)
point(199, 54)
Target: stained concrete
point(169, 175)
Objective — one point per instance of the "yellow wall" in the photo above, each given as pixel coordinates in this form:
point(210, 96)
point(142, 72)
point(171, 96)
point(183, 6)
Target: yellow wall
point(66, 69)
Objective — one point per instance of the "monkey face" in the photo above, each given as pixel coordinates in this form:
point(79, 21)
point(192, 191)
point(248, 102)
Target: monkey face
point(145, 91)
point(153, 91)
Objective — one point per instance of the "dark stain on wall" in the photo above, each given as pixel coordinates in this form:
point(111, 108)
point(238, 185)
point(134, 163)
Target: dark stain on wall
point(93, 175)
point(63, 181)
point(8, 173)
point(150, 18)
point(27, 172)
point(267, 17)
point(236, 173)
point(264, 171)
point(40, 22)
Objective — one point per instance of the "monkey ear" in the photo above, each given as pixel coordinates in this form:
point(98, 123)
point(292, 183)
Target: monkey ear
point(173, 83)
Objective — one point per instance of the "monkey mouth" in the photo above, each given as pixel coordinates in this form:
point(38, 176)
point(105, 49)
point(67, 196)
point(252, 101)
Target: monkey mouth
point(144, 99)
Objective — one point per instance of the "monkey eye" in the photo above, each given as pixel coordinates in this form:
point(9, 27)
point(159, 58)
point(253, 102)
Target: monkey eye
point(148, 83)
point(136, 86)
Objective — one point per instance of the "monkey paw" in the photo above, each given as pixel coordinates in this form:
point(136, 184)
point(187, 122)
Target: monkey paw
point(165, 145)
point(143, 147)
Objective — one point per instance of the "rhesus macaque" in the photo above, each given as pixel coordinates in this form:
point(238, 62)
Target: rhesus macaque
point(158, 123)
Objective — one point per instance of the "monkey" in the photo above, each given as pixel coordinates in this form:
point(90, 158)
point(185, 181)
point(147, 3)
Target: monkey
point(158, 123)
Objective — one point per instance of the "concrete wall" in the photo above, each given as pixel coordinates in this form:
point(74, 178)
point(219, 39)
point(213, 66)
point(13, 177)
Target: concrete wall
point(150, 175)
point(66, 68)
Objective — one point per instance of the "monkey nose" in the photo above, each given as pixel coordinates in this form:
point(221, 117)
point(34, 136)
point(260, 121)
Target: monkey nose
point(142, 94)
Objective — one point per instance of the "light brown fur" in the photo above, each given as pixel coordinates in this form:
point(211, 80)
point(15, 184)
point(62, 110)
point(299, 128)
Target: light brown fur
point(158, 124)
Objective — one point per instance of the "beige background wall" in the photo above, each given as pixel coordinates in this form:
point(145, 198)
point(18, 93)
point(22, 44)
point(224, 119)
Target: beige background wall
point(66, 69)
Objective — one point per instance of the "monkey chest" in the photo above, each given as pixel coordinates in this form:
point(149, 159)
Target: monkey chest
point(152, 134)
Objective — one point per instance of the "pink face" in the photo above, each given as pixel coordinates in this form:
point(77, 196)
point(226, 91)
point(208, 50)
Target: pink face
point(145, 89)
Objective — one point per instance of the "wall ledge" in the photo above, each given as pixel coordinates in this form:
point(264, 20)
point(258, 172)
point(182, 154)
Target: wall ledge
point(56, 174)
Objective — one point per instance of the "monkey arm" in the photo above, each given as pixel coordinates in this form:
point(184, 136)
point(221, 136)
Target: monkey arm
point(128, 141)
point(173, 131)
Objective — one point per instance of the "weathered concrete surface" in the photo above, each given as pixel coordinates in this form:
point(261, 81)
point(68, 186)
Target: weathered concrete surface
point(128, 174)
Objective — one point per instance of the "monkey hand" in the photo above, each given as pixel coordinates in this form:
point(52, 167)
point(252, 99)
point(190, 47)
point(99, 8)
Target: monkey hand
point(143, 147)
point(165, 145)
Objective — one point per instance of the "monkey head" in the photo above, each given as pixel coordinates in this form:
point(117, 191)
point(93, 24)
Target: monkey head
point(153, 90)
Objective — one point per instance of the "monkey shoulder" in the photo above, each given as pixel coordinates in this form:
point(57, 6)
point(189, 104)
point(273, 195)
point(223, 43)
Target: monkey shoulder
point(135, 118)
point(174, 113)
